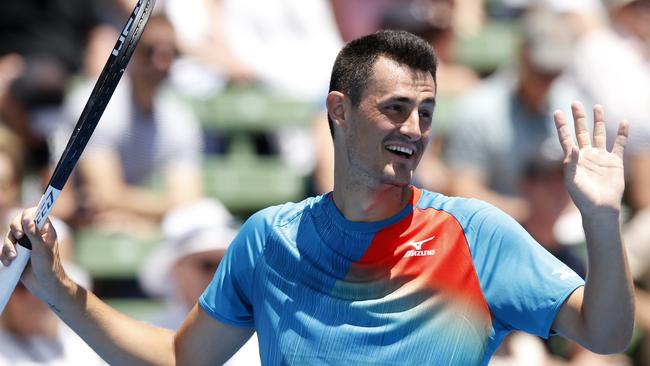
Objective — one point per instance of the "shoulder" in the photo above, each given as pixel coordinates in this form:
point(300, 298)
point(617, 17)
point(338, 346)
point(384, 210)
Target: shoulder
point(470, 213)
point(284, 214)
point(460, 207)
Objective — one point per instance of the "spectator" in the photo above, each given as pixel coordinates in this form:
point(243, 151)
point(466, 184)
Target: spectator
point(53, 30)
point(623, 46)
point(196, 238)
point(289, 44)
point(505, 119)
point(146, 129)
point(208, 61)
point(30, 105)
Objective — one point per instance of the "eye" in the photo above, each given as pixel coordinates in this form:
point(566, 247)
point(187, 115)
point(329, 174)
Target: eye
point(425, 114)
point(395, 108)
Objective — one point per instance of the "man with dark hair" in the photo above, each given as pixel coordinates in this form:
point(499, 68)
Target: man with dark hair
point(354, 64)
point(378, 271)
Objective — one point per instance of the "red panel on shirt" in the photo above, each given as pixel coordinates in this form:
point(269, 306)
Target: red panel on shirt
point(427, 248)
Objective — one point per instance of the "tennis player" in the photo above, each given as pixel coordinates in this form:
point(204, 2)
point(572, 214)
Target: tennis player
point(379, 271)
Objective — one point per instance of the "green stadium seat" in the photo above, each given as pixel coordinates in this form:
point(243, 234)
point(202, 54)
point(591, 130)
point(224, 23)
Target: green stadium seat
point(245, 184)
point(112, 255)
point(242, 179)
point(252, 109)
point(496, 45)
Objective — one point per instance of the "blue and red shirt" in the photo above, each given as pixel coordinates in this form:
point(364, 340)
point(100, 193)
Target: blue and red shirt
point(442, 282)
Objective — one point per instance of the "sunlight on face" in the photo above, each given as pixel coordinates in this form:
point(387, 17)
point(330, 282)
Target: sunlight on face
point(390, 128)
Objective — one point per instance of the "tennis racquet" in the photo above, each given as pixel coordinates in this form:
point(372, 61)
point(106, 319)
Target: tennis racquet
point(95, 106)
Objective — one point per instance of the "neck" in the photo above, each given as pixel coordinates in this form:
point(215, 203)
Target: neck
point(363, 204)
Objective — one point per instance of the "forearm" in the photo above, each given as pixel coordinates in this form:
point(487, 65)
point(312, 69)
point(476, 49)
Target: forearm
point(119, 340)
point(144, 202)
point(608, 306)
point(182, 184)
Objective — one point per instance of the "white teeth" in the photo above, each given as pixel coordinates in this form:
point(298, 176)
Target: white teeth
point(401, 149)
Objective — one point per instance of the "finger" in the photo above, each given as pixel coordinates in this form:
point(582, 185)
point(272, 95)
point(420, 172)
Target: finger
point(16, 226)
point(580, 123)
point(29, 225)
point(600, 133)
point(563, 132)
point(621, 138)
point(27, 221)
point(8, 253)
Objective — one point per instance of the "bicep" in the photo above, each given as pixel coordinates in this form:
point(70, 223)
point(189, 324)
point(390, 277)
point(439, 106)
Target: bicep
point(203, 340)
point(569, 321)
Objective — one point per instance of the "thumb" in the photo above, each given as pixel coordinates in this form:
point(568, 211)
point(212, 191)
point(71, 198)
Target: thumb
point(47, 234)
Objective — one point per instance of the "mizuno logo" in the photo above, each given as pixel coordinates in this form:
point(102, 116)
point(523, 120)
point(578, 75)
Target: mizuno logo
point(417, 251)
point(564, 273)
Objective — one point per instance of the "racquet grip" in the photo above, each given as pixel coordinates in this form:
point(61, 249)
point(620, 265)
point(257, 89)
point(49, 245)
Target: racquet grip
point(9, 276)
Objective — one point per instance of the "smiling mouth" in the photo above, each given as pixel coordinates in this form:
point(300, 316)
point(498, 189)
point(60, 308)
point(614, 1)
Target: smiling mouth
point(401, 151)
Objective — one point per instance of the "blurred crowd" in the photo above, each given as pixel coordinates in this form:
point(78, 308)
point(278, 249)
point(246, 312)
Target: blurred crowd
point(505, 67)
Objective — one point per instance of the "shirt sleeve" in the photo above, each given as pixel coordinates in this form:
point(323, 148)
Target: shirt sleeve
point(524, 284)
point(229, 296)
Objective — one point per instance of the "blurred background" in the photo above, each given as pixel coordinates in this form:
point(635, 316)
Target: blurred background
point(222, 113)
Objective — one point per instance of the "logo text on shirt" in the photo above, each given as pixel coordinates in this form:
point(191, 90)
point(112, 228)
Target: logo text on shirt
point(417, 251)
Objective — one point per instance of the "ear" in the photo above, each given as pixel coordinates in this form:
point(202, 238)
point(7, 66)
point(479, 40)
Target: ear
point(336, 107)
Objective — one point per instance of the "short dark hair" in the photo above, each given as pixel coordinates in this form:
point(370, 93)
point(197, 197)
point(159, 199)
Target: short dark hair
point(354, 64)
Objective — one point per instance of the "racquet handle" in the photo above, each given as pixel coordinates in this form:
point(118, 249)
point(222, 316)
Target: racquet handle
point(9, 276)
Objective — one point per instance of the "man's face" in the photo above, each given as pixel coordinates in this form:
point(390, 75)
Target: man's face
point(192, 274)
point(155, 53)
point(389, 130)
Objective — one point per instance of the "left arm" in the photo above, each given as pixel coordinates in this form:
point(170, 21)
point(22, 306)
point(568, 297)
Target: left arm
point(599, 316)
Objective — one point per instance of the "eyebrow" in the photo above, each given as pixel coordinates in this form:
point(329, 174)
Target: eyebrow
point(409, 100)
point(430, 100)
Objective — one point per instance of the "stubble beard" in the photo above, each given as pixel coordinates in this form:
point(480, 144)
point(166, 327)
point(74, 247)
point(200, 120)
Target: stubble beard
point(376, 175)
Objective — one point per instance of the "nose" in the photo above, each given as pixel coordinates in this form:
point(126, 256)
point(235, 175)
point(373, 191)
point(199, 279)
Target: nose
point(411, 126)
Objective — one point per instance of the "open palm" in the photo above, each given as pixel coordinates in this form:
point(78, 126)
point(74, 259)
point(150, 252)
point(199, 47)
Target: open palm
point(593, 175)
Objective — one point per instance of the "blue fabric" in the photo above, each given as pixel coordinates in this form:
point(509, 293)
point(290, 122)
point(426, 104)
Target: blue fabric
point(523, 283)
point(301, 275)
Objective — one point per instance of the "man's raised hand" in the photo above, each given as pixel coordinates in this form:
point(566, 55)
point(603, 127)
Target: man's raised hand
point(593, 176)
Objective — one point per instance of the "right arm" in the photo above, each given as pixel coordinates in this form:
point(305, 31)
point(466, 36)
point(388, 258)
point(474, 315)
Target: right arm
point(117, 338)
